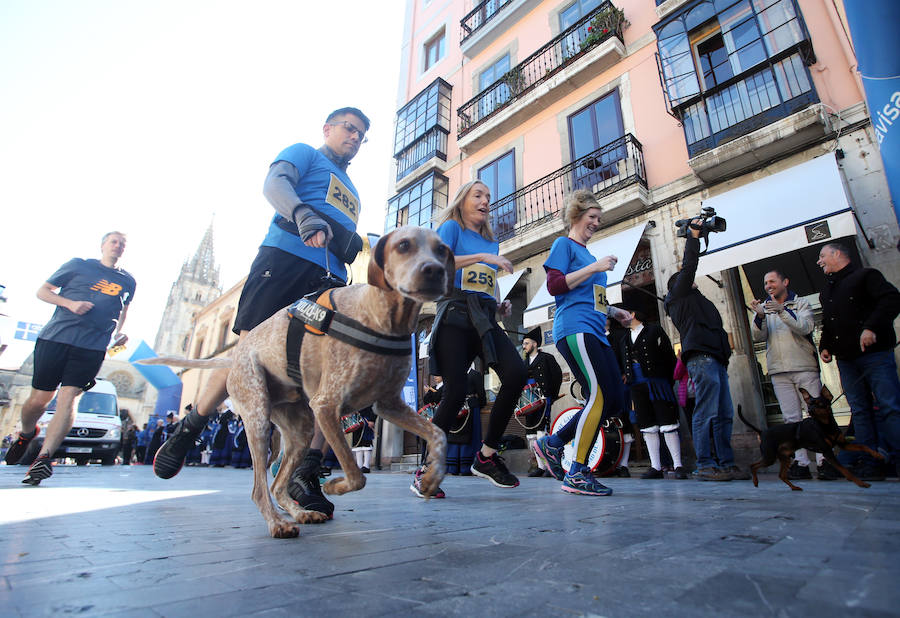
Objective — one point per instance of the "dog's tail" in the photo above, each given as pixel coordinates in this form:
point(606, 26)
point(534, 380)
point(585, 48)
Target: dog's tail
point(746, 422)
point(177, 361)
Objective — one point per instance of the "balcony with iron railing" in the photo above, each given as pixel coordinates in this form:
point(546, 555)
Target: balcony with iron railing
point(433, 144)
point(614, 173)
point(487, 20)
point(574, 57)
point(421, 131)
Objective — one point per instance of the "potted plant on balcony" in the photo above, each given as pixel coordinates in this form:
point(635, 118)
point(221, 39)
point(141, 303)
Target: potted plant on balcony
point(514, 80)
point(610, 21)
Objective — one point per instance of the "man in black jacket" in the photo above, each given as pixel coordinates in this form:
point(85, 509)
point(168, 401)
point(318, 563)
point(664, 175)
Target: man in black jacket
point(705, 352)
point(545, 371)
point(858, 311)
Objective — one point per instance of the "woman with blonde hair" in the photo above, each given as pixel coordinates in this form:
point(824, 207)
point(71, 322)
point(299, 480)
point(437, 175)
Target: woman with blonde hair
point(465, 327)
point(577, 280)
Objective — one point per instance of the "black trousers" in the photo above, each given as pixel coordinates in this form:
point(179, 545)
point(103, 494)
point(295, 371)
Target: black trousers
point(456, 348)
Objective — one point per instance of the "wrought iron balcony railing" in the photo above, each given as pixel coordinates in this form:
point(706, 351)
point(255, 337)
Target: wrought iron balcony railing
point(476, 18)
point(569, 46)
point(604, 171)
point(432, 144)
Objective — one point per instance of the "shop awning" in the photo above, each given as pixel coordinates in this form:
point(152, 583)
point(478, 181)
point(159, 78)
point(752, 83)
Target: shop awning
point(507, 282)
point(801, 206)
point(622, 245)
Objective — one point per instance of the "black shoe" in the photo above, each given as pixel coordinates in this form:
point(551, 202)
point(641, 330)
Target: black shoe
point(680, 473)
point(304, 485)
point(622, 472)
point(827, 472)
point(364, 470)
point(653, 473)
point(737, 474)
point(711, 474)
point(494, 469)
point(17, 449)
point(41, 469)
point(868, 472)
point(535, 472)
point(169, 459)
point(798, 472)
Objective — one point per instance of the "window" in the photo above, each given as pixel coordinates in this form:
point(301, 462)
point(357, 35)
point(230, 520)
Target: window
point(435, 50)
point(571, 44)
point(500, 94)
point(595, 130)
point(418, 203)
point(500, 177)
point(422, 128)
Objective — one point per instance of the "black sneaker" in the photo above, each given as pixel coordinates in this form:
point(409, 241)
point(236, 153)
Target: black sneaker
point(304, 485)
point(18, 448)
point(799, 473)
point(494, 469)
point(41, 469)
point(169, 459)
point(622, 472)
point(827, 472)
point(652, 473)
point(535, 472)
point(681, 473)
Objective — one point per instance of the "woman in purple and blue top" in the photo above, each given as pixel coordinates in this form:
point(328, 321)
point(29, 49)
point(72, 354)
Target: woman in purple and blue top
point(577, 280)
point(466, 326)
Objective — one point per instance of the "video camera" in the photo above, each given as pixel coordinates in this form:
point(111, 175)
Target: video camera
point(710, 223)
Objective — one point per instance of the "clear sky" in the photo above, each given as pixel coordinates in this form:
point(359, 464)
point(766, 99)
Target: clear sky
point(153, 118)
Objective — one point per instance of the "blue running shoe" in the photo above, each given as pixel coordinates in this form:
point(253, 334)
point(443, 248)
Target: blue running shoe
point(584, 483)
point(550, 456)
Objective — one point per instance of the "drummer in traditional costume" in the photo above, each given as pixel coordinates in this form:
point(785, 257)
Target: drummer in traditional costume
point(466, 327)
point(543, 371)
point(577, 280)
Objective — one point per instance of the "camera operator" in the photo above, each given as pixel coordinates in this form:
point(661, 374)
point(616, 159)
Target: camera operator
point(705, 352)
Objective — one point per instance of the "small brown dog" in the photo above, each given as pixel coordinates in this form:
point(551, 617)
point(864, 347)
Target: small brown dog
point(819, 432)
point(408, 267)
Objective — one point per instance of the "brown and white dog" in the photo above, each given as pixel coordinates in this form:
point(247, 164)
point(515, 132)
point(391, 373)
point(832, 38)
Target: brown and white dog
point(408, 267)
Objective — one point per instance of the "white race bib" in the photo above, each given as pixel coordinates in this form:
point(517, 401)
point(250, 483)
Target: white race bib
point(479, 278)
point(342, 198)
point(600, 303)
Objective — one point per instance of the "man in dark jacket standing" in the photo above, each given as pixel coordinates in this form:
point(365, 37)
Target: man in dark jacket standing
point(546, 372)
point(858, 311)
point(705, 351)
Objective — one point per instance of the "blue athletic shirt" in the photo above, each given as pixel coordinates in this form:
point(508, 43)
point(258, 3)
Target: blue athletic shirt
point(479, 278)
point(110, 289)
point(328, 190)
point(582, 309)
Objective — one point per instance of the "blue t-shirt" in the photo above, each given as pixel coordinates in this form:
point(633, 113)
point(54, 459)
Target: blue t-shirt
point(479, 278)
point(110, 289)
point(584, 308)
point(328, 190)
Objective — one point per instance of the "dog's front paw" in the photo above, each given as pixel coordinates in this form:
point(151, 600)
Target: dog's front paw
point(865, 484)
point(311, 517)
point(283, 529)
point(336, 487)
point(431, 481)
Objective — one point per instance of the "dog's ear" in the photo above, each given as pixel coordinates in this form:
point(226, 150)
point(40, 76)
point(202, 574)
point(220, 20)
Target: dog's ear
point(450, 265)
point(376, 264)
point(806, 395)
point(826, 394)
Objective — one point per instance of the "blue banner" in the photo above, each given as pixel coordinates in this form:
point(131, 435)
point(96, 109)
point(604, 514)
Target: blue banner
point(27, 331)
point(873, 26)
point(158, 376)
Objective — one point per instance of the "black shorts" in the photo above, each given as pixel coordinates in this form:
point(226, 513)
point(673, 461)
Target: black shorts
point(60, 364)
point(659, 412)
point(277, 279)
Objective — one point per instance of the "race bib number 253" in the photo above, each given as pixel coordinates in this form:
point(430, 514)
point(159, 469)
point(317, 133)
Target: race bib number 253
point(478, 278)
point(343, 199)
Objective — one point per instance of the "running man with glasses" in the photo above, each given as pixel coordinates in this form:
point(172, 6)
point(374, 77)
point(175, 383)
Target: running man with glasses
point(316, 210)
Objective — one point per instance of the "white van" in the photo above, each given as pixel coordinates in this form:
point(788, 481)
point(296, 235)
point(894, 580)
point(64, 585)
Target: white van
point(96, 433)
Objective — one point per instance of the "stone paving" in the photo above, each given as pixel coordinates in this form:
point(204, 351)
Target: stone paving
point(93, 541)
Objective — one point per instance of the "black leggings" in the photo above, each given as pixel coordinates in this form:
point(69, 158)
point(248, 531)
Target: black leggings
point(455, 349)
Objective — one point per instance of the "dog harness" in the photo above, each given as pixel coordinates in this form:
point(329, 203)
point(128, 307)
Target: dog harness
point(320, 317)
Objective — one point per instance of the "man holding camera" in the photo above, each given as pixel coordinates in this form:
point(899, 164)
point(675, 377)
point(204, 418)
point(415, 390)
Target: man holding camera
point(705, 351)
point(785, 322)
point(312, 233)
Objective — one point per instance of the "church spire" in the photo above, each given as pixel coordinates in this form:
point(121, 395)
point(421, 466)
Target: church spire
point(202, 267)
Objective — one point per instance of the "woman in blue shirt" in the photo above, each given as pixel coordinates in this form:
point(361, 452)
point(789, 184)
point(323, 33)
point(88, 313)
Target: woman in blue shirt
point(578, 281)
point(465, 327)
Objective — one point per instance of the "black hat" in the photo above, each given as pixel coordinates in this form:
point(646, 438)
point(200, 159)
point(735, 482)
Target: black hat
point(534, 335)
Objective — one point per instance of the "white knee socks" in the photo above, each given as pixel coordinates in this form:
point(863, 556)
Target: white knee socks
point(651, 437)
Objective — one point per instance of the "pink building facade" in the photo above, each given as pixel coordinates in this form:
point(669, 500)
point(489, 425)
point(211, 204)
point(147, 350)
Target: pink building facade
point(753, 107)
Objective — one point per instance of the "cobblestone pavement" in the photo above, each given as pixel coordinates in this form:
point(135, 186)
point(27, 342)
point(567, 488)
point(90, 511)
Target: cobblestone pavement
point(119, 541)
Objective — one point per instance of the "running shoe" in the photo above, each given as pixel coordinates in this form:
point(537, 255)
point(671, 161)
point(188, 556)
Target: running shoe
point(41, 469)
point(170, 457)
point(584, 484)
point(416, 485)
point(304, 485)
point(494, 469)
point(18, 448)
point(550, 456)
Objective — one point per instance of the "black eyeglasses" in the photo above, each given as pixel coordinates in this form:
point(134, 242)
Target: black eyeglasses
point(351, 129)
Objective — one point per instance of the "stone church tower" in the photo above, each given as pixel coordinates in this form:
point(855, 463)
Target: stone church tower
point(197, 286)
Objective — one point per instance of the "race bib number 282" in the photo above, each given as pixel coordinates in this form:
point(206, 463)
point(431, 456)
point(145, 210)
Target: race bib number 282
point(342, 198)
